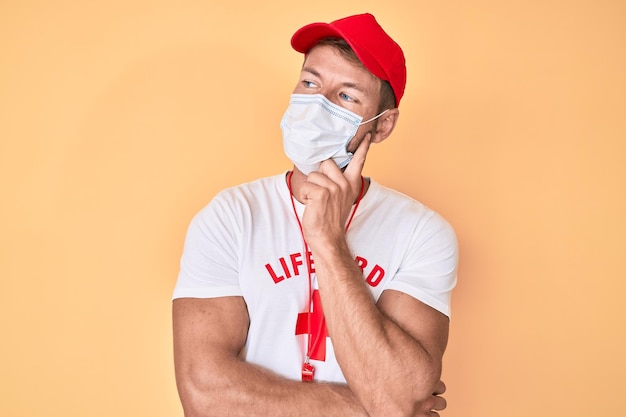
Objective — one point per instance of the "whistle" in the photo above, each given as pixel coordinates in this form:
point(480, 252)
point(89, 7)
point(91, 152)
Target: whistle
point(308, 371)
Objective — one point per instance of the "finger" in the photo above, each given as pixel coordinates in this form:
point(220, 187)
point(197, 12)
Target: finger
point(440, 388)
point(328, 176)
point(355, 167)
point(439, 404)
point(308, 191)
point(329, 168)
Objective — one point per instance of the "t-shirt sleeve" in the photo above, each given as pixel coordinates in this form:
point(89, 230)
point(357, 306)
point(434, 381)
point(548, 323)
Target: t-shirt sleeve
point(429, 271)
point(209, 263)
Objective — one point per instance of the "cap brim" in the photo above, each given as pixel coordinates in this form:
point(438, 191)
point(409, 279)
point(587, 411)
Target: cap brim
point(307, 36)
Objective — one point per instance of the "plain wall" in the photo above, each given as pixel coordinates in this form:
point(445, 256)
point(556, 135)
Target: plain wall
point(121, 119)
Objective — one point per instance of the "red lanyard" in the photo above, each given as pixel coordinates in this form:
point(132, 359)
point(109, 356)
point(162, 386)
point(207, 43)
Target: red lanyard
point(308, 370)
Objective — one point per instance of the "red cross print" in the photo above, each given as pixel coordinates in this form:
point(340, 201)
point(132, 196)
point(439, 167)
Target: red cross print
point(318, 331)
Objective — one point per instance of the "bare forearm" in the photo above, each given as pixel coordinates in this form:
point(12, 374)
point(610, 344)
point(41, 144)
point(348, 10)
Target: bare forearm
point(240, 389)
point(404, 371)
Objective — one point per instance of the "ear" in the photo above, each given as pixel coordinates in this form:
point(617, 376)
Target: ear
point(386, 124)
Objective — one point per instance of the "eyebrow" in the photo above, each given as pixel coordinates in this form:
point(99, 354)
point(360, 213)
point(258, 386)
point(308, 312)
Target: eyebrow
point(311, 71)
point(345, 84)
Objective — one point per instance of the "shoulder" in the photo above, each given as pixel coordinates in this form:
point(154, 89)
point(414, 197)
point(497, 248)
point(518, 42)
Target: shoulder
point(246, 195)
point(391, 200)
point(262, 185)
point(393, 206)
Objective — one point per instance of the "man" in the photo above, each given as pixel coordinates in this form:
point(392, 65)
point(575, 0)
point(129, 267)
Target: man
point(318, 292)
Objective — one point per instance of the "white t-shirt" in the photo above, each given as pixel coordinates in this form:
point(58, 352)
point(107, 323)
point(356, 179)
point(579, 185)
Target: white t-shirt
point(247, 242)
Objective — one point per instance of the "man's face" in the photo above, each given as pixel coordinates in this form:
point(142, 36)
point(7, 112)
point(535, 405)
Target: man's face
point(344, 83)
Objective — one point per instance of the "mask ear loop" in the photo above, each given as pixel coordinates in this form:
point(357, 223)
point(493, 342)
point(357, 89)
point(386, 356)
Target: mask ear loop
point(374, 118)
point(308, 370)
point(365, 122)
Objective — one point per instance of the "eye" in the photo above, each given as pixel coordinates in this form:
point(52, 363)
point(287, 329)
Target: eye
point(309, 84)
point(345, 97)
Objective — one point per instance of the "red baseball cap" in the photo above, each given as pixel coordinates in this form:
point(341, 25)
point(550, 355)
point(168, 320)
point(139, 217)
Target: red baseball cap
point(380, 54)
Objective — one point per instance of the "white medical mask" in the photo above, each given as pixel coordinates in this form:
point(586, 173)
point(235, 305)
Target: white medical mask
point(314, 130)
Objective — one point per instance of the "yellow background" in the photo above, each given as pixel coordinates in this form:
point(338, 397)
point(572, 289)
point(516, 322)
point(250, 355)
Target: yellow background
point(120, 119)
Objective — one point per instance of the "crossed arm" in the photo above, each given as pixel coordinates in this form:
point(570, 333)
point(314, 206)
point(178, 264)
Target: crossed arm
point(213, 380)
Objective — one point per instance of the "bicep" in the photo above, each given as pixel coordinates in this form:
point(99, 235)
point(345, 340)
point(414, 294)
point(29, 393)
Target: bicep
point(423, 323)
point(207, 331)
